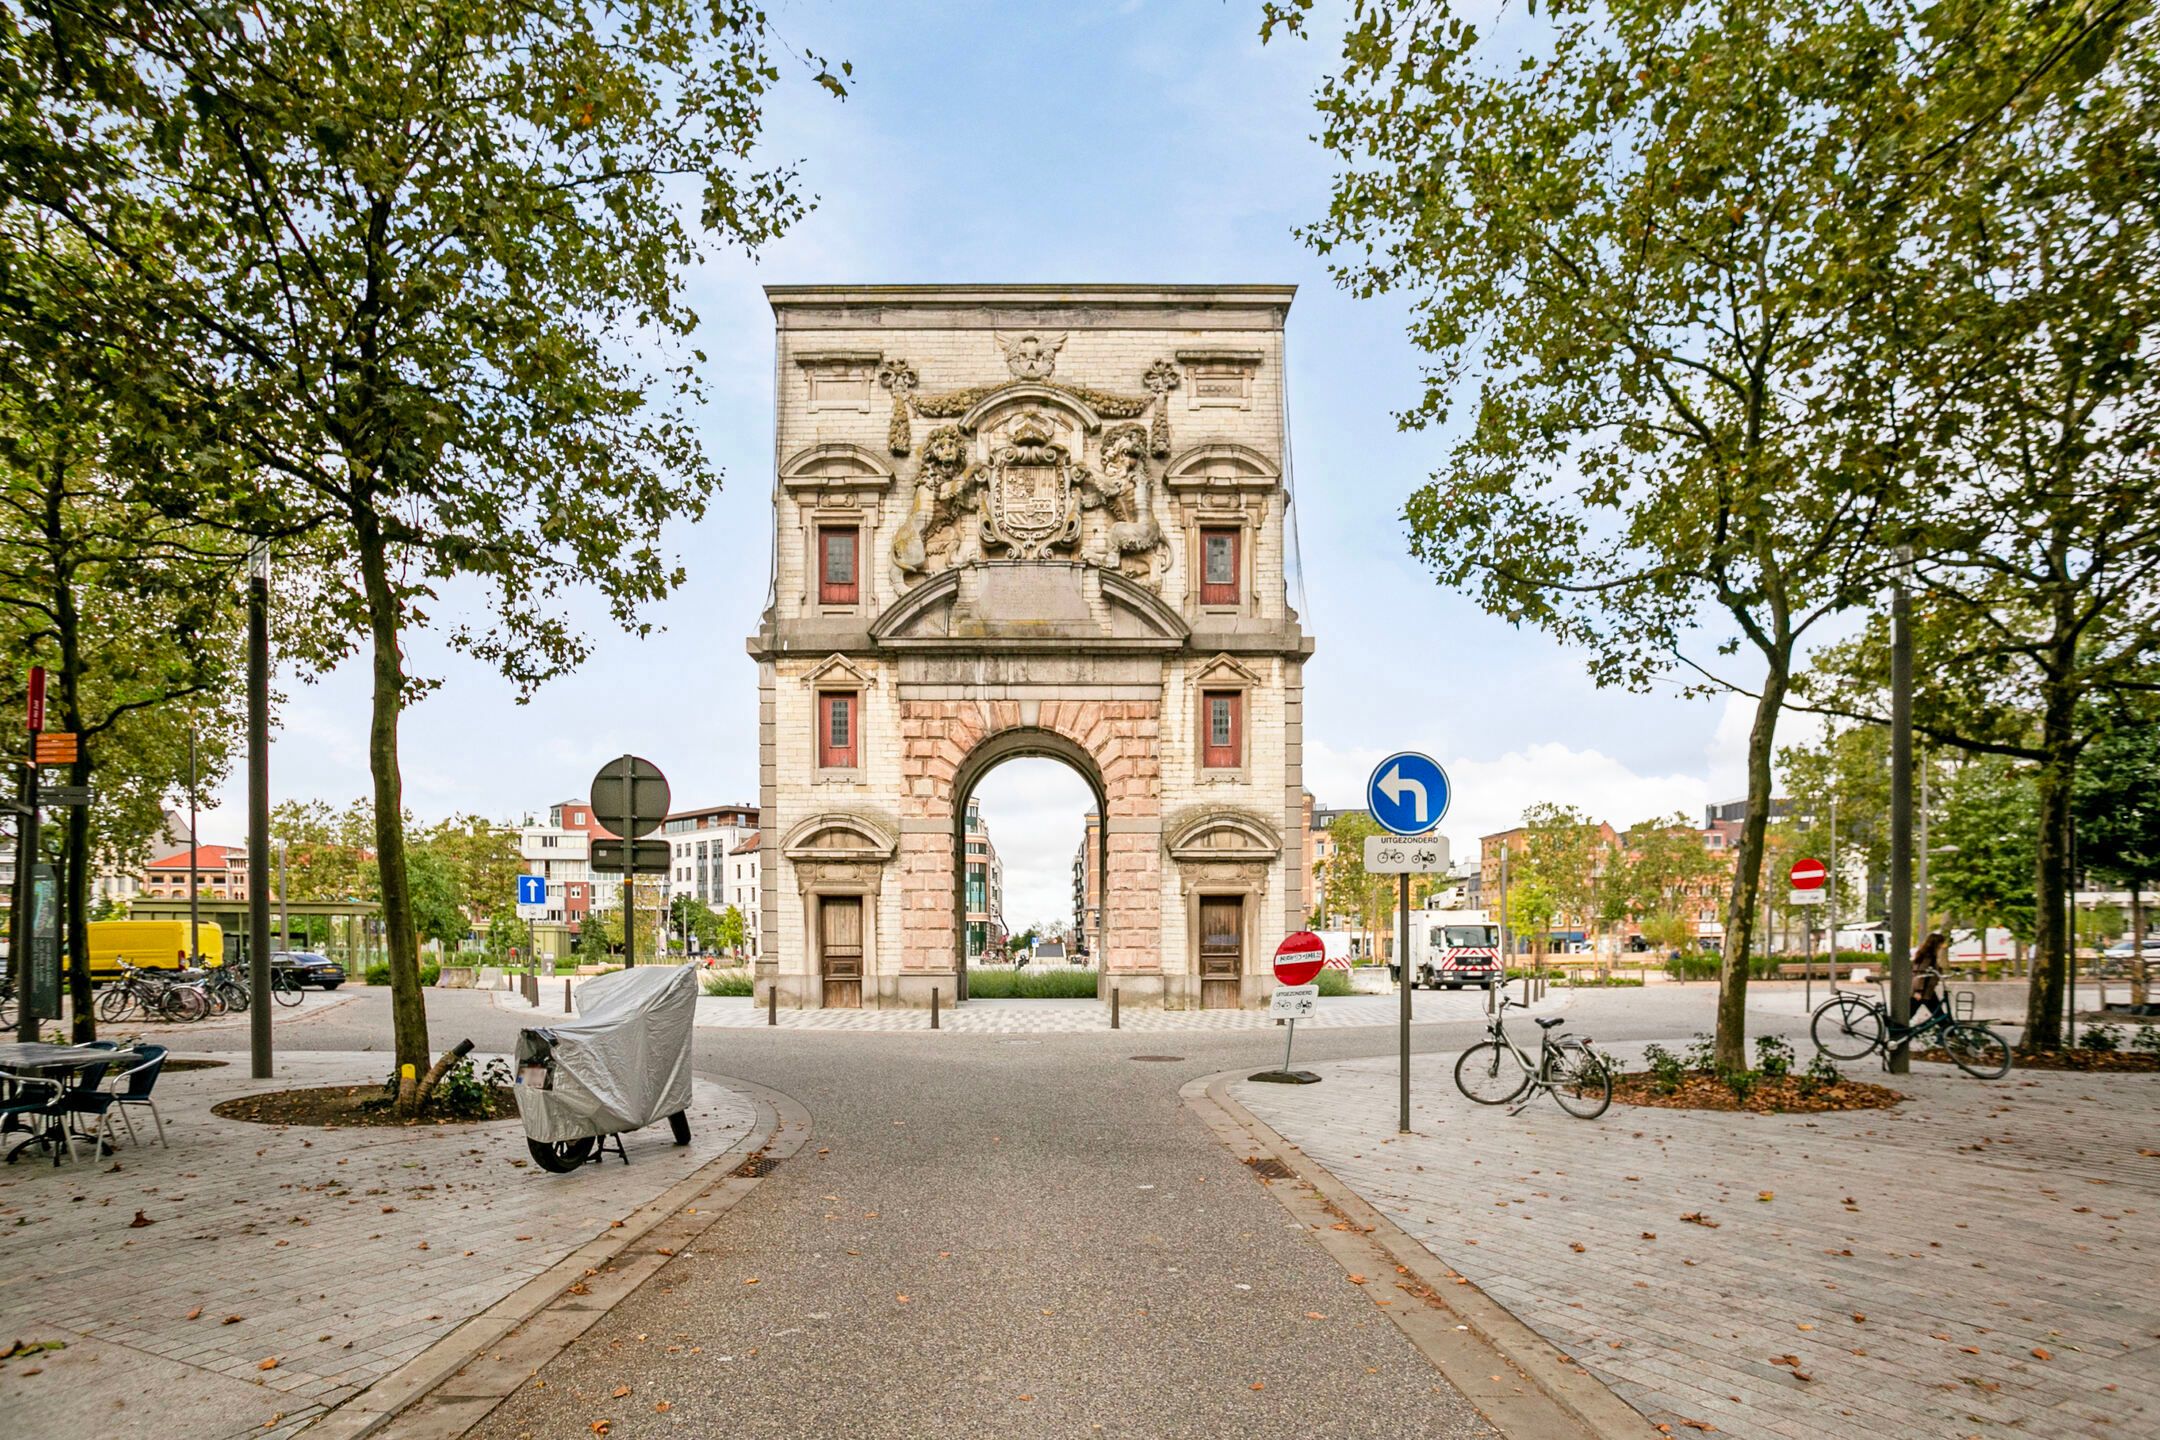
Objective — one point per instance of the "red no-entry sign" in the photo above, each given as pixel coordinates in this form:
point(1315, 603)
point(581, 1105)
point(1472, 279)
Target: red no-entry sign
point(1808, 874)
point(1299, 958)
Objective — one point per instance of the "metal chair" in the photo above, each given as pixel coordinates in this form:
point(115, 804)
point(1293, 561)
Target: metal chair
point(35, 1098)
point(141, 1079)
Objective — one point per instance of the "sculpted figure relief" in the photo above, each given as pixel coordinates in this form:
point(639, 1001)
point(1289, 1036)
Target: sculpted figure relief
point(1022, 489)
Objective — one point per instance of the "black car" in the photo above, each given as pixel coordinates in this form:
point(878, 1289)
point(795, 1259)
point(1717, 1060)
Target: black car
point(306, 967)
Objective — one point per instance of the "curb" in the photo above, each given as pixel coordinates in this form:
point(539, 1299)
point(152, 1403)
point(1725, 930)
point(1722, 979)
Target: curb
point(452, 1385)
point(1516, 1378)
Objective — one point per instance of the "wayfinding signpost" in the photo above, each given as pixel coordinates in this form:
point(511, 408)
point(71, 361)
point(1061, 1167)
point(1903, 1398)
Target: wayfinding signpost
point(1298, 962)
point(630, 797)
point(1407, 795)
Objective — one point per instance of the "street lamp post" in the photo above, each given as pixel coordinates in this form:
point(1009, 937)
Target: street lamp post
point(258, 784)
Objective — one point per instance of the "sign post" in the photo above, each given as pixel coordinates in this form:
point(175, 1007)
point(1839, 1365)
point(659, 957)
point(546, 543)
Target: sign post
point(1807, 876)
point(1407, 795)
point(629, 797)
point(1298, 962)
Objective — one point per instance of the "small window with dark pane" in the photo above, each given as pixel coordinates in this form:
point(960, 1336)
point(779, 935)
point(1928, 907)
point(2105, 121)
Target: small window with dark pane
point(1219, 566)
point(836, 565)
point(837, 729)
point(1221, 728)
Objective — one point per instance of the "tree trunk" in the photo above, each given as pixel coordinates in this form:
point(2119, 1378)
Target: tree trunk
point(75, 838)
point(1731, 1049)
point(408, 1006)
point(2051, 938)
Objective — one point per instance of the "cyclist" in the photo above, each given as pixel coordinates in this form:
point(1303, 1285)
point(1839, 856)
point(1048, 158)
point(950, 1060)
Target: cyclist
point(1927, 980)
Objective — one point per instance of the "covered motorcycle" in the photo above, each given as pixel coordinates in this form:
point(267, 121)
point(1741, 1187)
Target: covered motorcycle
point(621, 1064)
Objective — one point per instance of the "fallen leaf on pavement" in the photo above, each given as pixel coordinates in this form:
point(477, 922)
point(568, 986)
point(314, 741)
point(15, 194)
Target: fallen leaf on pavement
point(620, 1391)
point(901, 1298)
point(140, 1220)
point(1577, 1246)
point(2041, 1354)
point(750, 1280)
point(232, 1319)
point(1357, 1279)
point(661, 1407)
point(601, 1427)
point(1649, 1234)
point(1314, 1315)
point(1696, 1217)
point(195, 1314)
point(1259, 1384)
point(269, 1363)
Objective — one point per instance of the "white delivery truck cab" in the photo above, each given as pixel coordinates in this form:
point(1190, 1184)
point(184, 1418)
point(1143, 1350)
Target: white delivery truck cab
point(1455, 948)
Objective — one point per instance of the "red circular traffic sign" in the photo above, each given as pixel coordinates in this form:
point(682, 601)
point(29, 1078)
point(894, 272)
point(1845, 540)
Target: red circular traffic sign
point(1808, 874)
point(1299, 958)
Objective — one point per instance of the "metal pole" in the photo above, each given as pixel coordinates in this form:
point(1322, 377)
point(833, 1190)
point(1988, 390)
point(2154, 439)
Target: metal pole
point(1831, 920)
point(1901, 807)
point(629, 873)
point(1402, 955)
point(258, 781)
point(1288, 1037)
point(21, 932)
point(1113, 1007)
point(284, 917)
point(1809, 1003)
point(194, 913)
point(1921, 907)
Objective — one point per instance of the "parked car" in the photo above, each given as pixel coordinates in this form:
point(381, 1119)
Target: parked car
point(308, 967)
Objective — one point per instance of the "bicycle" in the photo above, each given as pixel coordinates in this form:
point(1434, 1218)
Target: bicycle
point(1495, 1071)
point(285, 986)
point(1850, 1026)
point(155, 996)
point(228, 989)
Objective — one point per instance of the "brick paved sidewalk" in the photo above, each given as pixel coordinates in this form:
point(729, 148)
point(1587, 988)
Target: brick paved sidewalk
point(342, 1254)
point(2000, 1241)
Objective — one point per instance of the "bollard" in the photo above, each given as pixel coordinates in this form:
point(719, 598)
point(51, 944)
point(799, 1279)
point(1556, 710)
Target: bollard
point(772, 1004)
point(565, 994)
point(1113, 1007)
point(934, 992)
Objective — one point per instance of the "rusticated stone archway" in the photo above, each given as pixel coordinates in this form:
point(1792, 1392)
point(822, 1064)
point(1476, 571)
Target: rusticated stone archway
point(1030, 520)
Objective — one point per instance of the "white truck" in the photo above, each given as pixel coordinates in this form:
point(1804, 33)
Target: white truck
point(1454, 948)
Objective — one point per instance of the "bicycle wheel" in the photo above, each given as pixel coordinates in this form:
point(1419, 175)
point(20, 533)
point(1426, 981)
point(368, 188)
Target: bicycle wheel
point(1580, 1082)
point(236, 997)
point(1847, 1028)
point(114, 1002)
point(1977, 1050)
point(285, 988)
point(560, 1157)
point(183, 1003)
point(213, 998)
point(1489, 1073)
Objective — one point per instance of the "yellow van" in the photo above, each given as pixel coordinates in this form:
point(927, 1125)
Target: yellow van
point(149, 945)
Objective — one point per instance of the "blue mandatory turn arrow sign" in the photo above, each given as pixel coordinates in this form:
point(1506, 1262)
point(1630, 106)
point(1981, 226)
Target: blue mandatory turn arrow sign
point(1408, 793)
point(532, 889)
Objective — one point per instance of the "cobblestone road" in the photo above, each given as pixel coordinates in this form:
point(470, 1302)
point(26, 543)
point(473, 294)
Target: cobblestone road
point(340, 1254)
point(1976, 1262)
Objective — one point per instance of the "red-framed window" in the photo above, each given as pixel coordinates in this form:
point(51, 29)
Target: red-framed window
point(1219, 558)
point(837, 568)
point(1222, 728)
point(839, 728)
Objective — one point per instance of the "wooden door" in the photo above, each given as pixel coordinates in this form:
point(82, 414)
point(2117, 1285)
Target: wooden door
point(1222, 950)
point(840, 950)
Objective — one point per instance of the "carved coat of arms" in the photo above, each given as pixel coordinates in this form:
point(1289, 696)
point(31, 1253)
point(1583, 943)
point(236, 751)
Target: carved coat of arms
point(1029, 503)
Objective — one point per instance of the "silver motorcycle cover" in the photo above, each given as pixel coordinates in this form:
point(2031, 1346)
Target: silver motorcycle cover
point(623, 1063)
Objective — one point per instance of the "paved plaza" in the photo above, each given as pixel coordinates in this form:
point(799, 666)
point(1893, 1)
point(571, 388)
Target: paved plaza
point(1974, 1262)
point(250, 1276)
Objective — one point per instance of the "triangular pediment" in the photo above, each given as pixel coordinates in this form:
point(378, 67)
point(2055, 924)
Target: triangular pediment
point(1225, 670)
point(837, 669)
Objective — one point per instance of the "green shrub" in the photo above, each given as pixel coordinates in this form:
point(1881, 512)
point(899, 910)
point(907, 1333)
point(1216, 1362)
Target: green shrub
point(2105, 1039)
point(1605, 982)
point(379, 973)
point(1773, 1057)
point(1334, 982)
point(1740, 1082)
point(1819, 1076)
point(730, 982)
point(2147, 1040)
point(1692, 966)
point(1701, 1054)
point(1666, 1071)
point(1023, 985)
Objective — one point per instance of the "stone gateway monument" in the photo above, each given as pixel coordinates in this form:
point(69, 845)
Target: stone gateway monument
point(1029, 520)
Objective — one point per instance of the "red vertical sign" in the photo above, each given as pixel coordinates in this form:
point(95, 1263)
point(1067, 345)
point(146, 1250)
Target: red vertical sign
point(36, 699)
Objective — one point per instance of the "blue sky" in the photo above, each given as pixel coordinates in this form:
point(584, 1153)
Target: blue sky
point(1076, 142)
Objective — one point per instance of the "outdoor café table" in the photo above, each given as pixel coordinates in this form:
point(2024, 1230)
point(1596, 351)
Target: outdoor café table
point(57, 1062)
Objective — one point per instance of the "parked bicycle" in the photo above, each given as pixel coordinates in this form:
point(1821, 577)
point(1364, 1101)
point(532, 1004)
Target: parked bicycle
point(1851, 1026)
point(227, 987)
point(151, 995)
point(1496, 1071)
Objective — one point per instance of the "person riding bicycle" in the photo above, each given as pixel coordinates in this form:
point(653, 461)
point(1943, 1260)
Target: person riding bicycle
point(1927, 977)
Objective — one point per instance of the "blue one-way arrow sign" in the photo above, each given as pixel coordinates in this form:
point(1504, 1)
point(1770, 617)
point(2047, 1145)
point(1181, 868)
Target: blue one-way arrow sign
point(1408, 793)
point(532, 889)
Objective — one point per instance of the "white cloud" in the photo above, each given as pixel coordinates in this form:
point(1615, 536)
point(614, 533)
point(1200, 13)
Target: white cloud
point(1036, 812)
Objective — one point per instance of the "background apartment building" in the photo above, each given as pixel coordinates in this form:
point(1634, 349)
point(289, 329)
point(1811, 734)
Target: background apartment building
point(985, 887)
